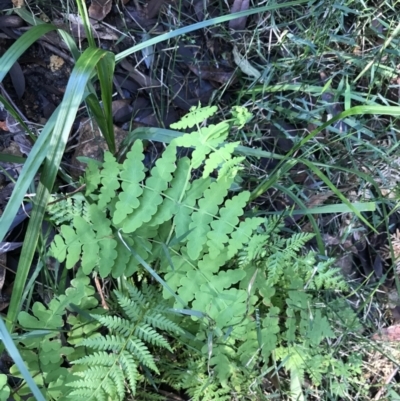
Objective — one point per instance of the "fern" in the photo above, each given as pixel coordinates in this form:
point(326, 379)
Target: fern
point(41, 347)
point(89, 240)
point(63, 210)
point(249, 291)
point(196, 116)
point(131, 190)
point(114, 364)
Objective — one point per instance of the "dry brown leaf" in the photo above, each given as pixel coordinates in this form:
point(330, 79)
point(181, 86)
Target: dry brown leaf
point(238, 24)
point(391, 333)
point(18, 3)
point(56, 63)
point(212, 74)
point(121, 110)
point(142, 79)
point(3, 126)
point(99, 9)
point(17, 79)
point(153, 8)
point(318, 199)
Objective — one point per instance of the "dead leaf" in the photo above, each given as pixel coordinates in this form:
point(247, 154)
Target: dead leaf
point(391, 333)
point(244, 64)
point(3, 126)
point(212, 74)
point(18, 79)
point(318, 199)
point(238, 24)
point(99, 9)
point(78, 31)
point(121, 110)
point(56, 63)
point(142, 79)
point(153, 7)
point(18, 3)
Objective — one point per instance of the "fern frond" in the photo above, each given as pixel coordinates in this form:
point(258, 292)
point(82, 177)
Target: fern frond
point(109, 180)
point(64, 210)
point(149, 335)
point(173, 195)
point(195, 116)
point(109, 342)
point(129, 306)
point(115, 323)
point(92, 177)
point(182, 217)
point(132, 175)
point(204, 141)
point(156, 184)
point(221, 157)
point(161, 322)
point(139, 349)
point(228, 220)
point(90, 241)
point(208, 208)
point(242, 234)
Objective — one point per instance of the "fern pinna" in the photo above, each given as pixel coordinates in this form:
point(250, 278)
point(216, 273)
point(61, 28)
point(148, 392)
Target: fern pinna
point(183, 223)
point(111, 370)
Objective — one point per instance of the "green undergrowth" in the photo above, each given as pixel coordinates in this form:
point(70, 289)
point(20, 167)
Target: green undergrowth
point(206, 297)
point(206, 301)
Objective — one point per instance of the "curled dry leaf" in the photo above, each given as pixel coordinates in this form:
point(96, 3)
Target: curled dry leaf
point(143, 80)
point(98, 9)
point(238, 24)
point(17, 79)
point(245, 65)
point(121, 110)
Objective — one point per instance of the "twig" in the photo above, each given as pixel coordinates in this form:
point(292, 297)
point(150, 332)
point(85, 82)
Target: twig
point(100, 291)
point(387, 381)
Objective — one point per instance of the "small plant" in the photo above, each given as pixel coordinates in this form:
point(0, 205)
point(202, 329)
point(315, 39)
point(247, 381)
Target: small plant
point(245, 294)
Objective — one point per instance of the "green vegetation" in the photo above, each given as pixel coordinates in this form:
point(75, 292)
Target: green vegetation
point(209, 293)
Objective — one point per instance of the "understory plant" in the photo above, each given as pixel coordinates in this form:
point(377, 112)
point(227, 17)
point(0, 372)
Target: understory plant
point(209, 300)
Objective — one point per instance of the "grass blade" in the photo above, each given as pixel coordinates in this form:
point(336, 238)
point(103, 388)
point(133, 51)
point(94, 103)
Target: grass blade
point(16, 356)
point(204, 24)
point(66, 115)
point(20, 46)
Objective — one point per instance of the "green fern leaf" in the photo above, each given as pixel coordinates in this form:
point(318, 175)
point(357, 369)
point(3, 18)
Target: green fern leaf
point(149, 335)
point(155, 185)
point(132, 175)
point(174, 194)
point(109, 180)
point(195, 116)
point(220, 156)
point(92, 242)
point(227, 222)
point(242, 234)
point(161, 322)
point(139, 349)
point(107, 244)
point(64, 210)
point(92, 177)
point(205, 141)
point(208, 208)
point(130, 368)
point(182, 217)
